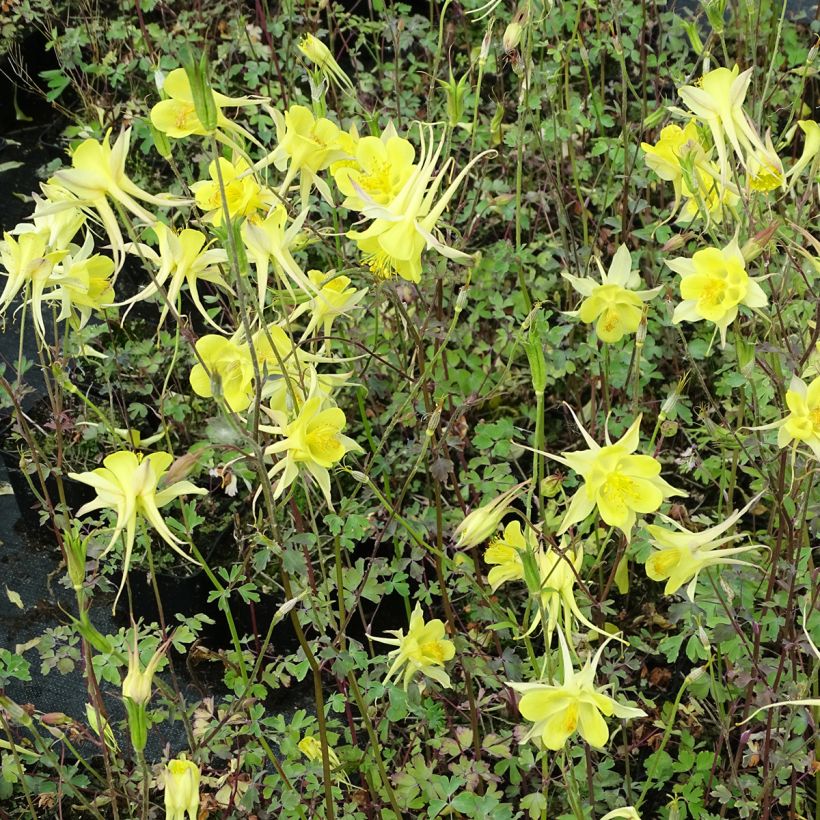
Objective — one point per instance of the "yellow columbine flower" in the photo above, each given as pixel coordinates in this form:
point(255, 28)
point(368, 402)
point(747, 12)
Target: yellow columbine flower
point(625, 813)
point(553, 590)
point(317, 52)
point(615, 304)
point(269, 242)
point(311, 748)
point(181, 790)
point(313, 440)
point(557, 712)
point(127, 484)
point(244, 196)
point(481, 523)
point(811, 149)
point(176, 116)
point(710, 198)
point(227, 371)
point(287, 371)
point(306, 145)
point(714, 283)
point(717, 99)
point(28, 263)
point(424, 649)
point(380, 169)
point(680, 555)
point(620, 484)
point(83, 282)
point(802, 424)
point(335, 296)
point(665, 156)
point(57, 216)
point(505, 554)
point(404, 227)
point(183, 257)
point(98, 173)
point(765, 167)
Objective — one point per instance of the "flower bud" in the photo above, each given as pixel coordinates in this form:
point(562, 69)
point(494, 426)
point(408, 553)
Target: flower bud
point(201, 92)
point(512, 36)
point(715, 10)
point(76, 548)
point(551, 486)
point(136, 691)
point(676, 242)
point(694, 37)
point(181, 789)
point(534, 348)
point(695, 675)
point(495, 125)
point(160, 140)
point(757, 244)
point(485, 46)
point(480, 524)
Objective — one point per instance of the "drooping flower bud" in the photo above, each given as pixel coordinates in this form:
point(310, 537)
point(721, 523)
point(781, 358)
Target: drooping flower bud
point(482, 523)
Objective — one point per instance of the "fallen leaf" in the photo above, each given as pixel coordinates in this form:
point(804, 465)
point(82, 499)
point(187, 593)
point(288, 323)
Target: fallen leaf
point(15, 598)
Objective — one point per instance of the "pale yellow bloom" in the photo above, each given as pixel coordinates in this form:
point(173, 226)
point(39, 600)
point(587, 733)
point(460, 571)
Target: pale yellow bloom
point(505, 554)
point(379, 170)
point(176, 116)
point(403, 228)
point(616, 304)
point(557, 712)
point(680, 555)
point(227, 371)
point(28, 263)
point(616, 481)
point(244, 196)
point(313, 440)
point(317, 52)
point(802, 424)
point(765, 168)
point(717, 99)
point(82, 282)
point(269, 243)
point(128, 484)
point(182, 790)
point(311, 748)
point(138, 683)
point(675, 146)
point(423, 650)
point(335, 296)
point(183, 258)
point(136, 691)
point(552, 589)
point(306, 145)
point(57, 216)
point(811, 150)
point(98, 174)
point(714, 284)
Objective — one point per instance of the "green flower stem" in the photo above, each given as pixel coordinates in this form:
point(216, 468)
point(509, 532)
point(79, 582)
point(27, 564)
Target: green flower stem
point(19, 764)
point(146, 784)
point(374, 742)
point(670, 723)
point(226, 609)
